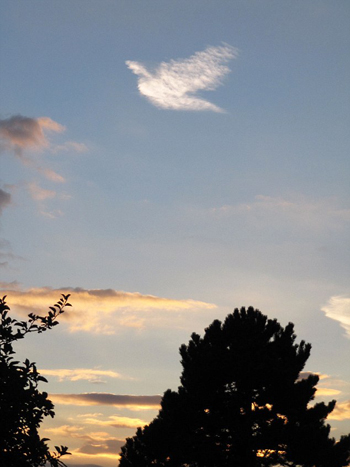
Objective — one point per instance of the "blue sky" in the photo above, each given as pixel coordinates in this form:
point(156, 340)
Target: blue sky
point(166, 162)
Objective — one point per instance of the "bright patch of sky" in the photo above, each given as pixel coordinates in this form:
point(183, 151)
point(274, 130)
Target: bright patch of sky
point(165, 163)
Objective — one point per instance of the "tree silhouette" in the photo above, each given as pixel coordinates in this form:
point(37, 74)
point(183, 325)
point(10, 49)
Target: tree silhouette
point(241, 403)
point(22, 406)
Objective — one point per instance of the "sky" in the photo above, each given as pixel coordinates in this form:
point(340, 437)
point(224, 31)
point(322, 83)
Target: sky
point(165, 163)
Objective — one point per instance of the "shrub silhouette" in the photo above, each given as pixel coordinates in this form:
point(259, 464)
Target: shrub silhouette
point(242, 403)
point(22, 406)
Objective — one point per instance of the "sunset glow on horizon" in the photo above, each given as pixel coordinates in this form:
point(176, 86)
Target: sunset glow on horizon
point(164, 163)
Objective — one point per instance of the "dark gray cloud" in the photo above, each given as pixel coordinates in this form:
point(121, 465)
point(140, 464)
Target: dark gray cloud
point(18, 133)
point(5, 199)
point(116, 400)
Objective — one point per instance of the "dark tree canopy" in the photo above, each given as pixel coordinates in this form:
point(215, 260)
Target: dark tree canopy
point(22, 406)
point(241, 403)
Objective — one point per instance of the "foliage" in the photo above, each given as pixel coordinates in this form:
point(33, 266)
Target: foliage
point(22, 406)
point(241, 403)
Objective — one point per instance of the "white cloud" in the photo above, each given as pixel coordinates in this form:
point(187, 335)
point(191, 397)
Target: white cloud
point(107, 311)
point(174, 84)
point(338, 308)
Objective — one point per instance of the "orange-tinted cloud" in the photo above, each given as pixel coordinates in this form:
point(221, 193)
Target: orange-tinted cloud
point(51, 175)
point(115, 421)
point(94, 398)
point(321, 391)
point(18, 133)
point(327, 392)
point(341, 411)
point(96, 443)
point(106, 311)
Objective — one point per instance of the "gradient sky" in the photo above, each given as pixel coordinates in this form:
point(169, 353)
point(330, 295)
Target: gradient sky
point(166, 162)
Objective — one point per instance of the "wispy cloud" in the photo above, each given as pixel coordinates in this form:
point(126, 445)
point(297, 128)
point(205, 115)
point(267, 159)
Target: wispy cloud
point(40, 194)
point(106, 311)
point(70, 146)
point(338, 308)
point(97, 398)
point(51, 175)
point(7, 257)
point(296, 209)
point(77, 374)
point(174, 84)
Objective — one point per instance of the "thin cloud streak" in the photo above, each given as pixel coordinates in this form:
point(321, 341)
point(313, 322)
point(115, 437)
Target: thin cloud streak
point(327, 392)
point(115, 421)
point(121, 401)
point(174, 84)
point(51, 175)
point(338, 309)
point(296, 208)
point(105, 311)
point(70, 146)
point(77, 374)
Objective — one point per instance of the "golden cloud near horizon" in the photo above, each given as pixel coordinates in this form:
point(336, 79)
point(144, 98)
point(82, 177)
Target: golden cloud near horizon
point(98, 446)
point(102, 311)
point(115, 421)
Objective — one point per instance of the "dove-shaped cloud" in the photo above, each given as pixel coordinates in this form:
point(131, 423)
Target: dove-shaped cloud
point(174, 84)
